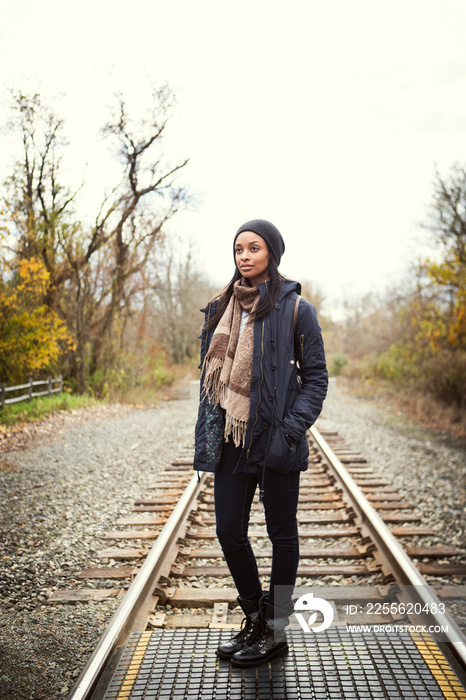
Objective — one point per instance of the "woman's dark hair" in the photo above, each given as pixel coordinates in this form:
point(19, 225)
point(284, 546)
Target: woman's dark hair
point(264, 307)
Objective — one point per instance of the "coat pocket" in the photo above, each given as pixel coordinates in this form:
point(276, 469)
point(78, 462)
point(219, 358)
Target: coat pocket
point(281, 455)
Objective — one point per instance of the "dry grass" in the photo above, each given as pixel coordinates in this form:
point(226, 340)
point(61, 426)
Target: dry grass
point(150, 396)
point(420, 407)
point(7, 466)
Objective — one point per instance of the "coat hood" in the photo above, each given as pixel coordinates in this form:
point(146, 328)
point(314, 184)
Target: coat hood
point(287, 287)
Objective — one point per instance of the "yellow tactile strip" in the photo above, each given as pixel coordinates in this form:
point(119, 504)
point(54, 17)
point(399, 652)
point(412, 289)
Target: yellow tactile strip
point(439, 667)
point(134, 666)
point(335, 663)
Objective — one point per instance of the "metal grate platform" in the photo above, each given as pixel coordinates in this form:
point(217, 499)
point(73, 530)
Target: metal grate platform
point(333, 665)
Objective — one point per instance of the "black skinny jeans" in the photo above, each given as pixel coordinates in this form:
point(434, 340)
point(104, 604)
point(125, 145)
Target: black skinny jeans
point(234, 493)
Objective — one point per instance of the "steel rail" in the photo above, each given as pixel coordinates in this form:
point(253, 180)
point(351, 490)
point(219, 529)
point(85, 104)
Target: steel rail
point(404, 569)
point(120, 626)
point(122, 623)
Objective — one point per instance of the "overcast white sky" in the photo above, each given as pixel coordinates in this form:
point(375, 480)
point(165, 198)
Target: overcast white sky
point(326, 117)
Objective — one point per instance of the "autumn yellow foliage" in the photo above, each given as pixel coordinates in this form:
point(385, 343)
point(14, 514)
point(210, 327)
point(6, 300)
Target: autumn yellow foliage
point(452, 331)
point(32, 337)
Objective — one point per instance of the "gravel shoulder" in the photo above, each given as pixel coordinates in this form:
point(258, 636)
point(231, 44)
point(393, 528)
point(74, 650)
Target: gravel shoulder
point(63, 487)
point(427, 469)
point(59, 496)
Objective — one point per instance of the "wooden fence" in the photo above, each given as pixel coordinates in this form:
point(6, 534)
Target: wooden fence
point(53, 386)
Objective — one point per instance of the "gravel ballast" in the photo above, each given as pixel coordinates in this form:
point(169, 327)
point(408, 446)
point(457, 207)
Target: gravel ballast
point(65, 486)
point(59, 498)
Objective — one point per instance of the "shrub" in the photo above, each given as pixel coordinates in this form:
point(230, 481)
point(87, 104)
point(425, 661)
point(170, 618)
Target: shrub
point(336, 363)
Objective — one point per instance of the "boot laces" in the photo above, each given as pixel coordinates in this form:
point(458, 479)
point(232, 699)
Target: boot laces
point(260, 633)
point(246, 627)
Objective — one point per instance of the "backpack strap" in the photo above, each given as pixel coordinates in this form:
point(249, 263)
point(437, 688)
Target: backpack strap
point(295, 319)
point(295, 313)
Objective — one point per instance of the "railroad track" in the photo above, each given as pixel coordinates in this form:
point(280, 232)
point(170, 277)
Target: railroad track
point(361, 545)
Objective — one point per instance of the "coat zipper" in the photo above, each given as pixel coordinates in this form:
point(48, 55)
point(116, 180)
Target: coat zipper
point(259, 390)
point(301, 343)
point(260, 383)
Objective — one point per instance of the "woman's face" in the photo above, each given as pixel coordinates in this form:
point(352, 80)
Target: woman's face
point(252, 257)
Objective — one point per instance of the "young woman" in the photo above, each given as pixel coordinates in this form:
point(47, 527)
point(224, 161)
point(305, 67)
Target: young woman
point(254, 411)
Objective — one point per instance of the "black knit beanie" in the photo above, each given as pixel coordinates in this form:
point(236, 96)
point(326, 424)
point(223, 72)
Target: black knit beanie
point(268, 232)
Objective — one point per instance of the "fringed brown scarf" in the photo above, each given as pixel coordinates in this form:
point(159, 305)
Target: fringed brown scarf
point(228, 363)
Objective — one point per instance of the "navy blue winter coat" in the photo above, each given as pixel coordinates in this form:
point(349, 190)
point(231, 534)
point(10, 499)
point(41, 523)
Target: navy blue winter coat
point(282, 408)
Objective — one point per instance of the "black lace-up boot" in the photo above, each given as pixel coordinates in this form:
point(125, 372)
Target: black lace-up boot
point(247, 631)
point(268, 639)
